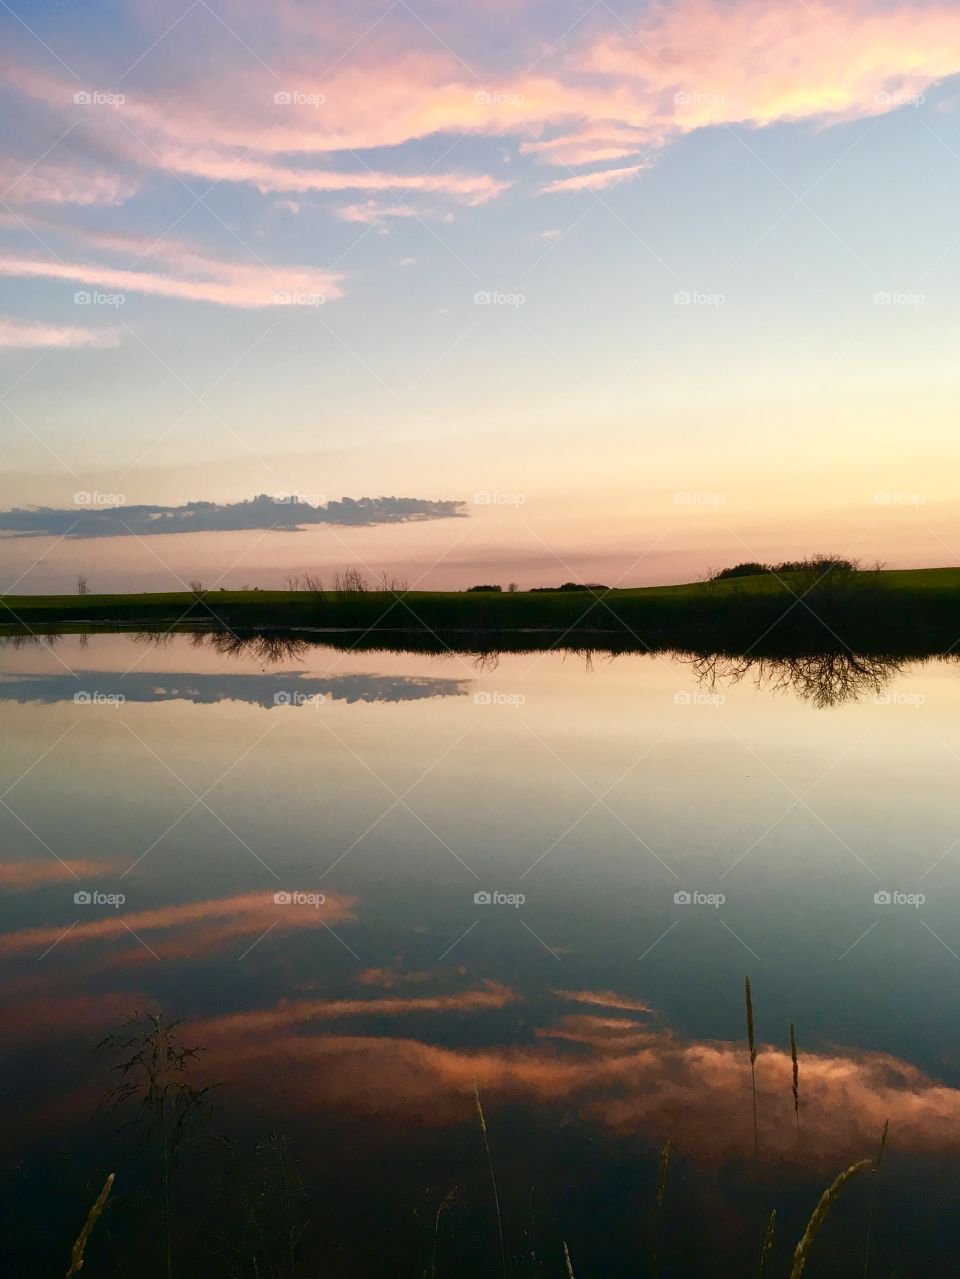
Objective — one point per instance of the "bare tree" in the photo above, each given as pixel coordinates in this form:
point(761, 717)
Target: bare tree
point(81, 585)
point(393, 585)
point(350, 582)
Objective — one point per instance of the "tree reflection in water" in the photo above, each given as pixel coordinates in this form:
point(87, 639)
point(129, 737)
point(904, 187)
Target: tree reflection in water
point(824, 679)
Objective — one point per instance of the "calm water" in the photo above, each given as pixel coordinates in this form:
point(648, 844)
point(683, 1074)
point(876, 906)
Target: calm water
point(306, 848)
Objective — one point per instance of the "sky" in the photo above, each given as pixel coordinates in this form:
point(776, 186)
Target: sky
point(616, 292)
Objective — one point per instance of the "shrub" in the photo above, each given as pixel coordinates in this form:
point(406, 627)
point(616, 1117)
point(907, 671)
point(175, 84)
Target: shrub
point(574, 586)
point(749, 568)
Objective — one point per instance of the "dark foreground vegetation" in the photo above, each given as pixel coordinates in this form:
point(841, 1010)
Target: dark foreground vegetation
point(815, 606)
point(253, 1215)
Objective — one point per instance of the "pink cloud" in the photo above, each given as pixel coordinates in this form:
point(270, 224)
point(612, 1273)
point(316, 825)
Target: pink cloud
point(590, 144)
point(704, 62)
point(613, 1071)
point(200, 279)
point(22, 335)
point(43, 183)
point(605, 95)
point(371, 212)
point(196, 926)
point(598, 181)
point(301, 1012)
point(28, 874)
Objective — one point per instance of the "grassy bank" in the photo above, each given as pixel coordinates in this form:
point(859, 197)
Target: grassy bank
point(867, 610)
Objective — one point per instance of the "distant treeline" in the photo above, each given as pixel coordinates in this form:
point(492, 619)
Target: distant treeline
point(819, 564)
point(567, 586)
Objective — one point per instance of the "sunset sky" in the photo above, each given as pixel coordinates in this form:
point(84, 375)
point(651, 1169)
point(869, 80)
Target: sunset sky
point(647, 288)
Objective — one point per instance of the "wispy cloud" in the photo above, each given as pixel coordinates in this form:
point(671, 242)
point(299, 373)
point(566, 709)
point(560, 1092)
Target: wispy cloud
point(226, 917)
point(34, 873)
point(374, 211)
point(20, 335)
point(597, 181)
point(612, 90)
point(40, 182)
point(200, 279)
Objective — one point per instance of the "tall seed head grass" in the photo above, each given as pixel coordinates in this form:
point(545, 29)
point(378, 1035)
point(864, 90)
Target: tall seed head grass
point(566, 1258)
point(802, 1250)
point(76, 1255)
point(883, 1142)
point(767, 1242)
point(664, 1164)
point(751, 1040)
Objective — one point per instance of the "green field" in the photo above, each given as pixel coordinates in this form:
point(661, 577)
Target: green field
point(906, 612)
point(876, 610)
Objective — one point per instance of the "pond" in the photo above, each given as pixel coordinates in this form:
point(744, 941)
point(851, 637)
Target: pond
point(463, 943)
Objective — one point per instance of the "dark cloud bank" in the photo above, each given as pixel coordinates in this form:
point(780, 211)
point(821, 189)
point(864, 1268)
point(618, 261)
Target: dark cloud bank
point(281, 689)
point(93, 516)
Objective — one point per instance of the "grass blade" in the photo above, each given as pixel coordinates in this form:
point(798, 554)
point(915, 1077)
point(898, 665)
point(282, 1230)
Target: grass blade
point(566, 1257)
point(661, 1189)
point(493, 1178)
point(802, 1250)
point(873, 1196)
point(796, 1076)
point(767, 1242)
point(751, 1040)
point(76, 1255)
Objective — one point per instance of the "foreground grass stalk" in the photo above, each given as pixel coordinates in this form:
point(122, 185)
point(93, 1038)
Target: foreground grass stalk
point(566, 1258)
point(76, 1255)
point(661, 1189)
point(493, 1178)
point(767, 1242)
point(802, 1250)
point(873, 1195)
point(796, 1076)
point(154, 1074)
point(751, 1040)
